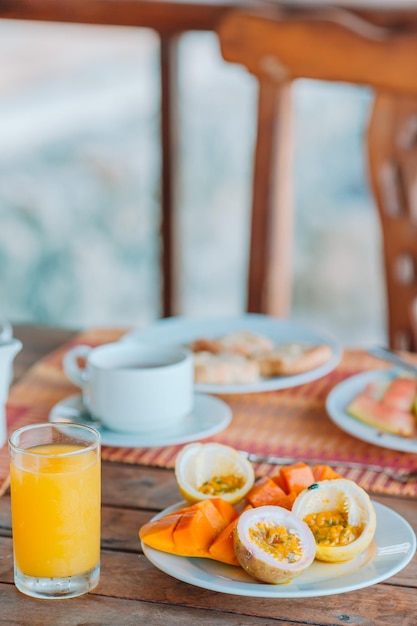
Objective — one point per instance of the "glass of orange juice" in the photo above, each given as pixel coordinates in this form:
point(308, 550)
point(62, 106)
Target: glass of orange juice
point(55, 499)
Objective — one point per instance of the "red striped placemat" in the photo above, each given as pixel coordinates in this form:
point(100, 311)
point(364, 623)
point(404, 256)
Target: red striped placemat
point(291, 422)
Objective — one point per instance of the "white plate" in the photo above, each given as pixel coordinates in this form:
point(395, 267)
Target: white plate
point(210, 415)
point(340, 397)
point(353, 4)
point(393, 548)
point(175, 330)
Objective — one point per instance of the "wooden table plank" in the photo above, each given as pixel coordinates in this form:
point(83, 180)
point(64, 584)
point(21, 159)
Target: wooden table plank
point(133, 577)
point(95, 610)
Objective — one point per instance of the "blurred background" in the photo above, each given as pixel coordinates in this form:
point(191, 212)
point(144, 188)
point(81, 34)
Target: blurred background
point(79, 185)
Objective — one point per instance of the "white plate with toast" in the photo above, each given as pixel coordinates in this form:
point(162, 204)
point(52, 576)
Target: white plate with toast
point(342, 395)
point(185, 331)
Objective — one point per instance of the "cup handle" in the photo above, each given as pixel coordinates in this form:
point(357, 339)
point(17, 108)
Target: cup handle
point(6, 331)
point(76, 374)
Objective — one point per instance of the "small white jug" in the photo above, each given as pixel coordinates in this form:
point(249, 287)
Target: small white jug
point(9, 347)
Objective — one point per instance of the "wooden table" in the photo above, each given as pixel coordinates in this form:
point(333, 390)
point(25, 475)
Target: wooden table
point(132, 591)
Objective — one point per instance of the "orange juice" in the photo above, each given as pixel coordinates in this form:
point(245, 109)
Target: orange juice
point(55, 510)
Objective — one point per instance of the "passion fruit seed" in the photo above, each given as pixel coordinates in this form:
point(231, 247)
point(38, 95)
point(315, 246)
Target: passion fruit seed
point(218, 485)
point(331, 528)
point(272, 544)
point(341, 517)
point(276, 540)
point(213, 469)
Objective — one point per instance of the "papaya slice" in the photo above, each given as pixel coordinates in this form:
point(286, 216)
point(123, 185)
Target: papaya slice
point(194, 533)
point(226, 510)
point(324, 472)
point(264, 491)
point(277, 478)
point(296, 477)
point(189, 531)
point(159, 533)
point(287, 500)
point(222, 549)
point(212, 513)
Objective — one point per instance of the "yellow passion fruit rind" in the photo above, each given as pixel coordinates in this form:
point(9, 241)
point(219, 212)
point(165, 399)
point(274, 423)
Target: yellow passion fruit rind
point(272, 544)
point(341, 517)
point(213, 470)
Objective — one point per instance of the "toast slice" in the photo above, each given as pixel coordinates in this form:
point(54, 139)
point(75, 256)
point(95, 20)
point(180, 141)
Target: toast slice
point(293, 358)
point(224, 369)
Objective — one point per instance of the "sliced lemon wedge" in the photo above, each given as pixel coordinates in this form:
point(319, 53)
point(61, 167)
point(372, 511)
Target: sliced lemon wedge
point(213, 470)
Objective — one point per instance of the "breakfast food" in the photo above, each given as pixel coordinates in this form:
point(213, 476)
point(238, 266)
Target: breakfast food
point(245, 357)
point(224, 369)
point(241, 342)
point(293, 358)
point(341, 517)
point(191, 530)
point(273, 528)
point(272, 544)
point(246, 343)
point(211, 470)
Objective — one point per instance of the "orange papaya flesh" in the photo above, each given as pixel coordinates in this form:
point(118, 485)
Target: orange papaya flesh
point(296, 477)
point(382, 416)
point(287, 500)
point(324, 472)
point(212, 508)
point(222, 548)
point(212, 514)
point(226, 510)
point(193, 535)
point(277, 478)
point(264, 491)
point(159, 533)
point(189, 531)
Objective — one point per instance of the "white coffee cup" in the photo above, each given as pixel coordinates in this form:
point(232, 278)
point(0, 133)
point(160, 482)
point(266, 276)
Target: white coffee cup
point(132, 387)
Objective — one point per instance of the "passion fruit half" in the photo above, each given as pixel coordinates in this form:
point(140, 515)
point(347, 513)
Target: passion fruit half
point(272, 544)
point(209, 470)
point(341, 517)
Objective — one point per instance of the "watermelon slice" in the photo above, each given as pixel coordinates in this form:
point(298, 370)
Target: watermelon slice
point(401, 393)
point(382, 415)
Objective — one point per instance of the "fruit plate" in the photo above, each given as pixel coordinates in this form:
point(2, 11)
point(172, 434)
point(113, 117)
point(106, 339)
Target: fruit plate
point(343, 393)
point(174, 330)
point(393, 547)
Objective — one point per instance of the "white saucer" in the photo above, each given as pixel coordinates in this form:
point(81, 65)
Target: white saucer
point(210, 415)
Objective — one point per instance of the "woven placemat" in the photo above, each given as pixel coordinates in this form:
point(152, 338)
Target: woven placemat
point(291, 422)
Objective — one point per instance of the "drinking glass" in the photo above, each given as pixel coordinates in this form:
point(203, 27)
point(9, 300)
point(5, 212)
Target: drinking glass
point(55, 500)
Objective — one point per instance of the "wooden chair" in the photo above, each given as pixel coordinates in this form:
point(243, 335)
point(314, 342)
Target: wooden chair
point(366, 48)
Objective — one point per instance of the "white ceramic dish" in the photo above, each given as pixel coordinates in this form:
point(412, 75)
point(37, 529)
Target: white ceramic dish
point(341, 395)
point(393, 548)
point(353, 4)
point(181, 330)
point(210, 415)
